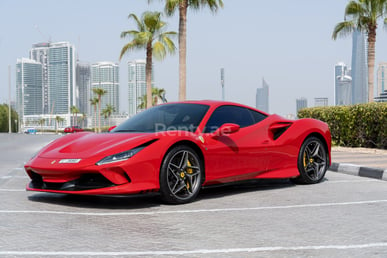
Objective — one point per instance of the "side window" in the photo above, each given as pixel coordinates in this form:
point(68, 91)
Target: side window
point(258, 117)
point(229, 114)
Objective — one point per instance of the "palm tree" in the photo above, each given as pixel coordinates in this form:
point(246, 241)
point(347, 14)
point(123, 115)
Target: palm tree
point(99, 92)
point(74, 110)
point(94, 102)
point(83, 118)
point(151, 37)
point(363, 15)
point(41, 123)
point(108, 111)
point(58, 120)
point(156, 95)
point(182, 5)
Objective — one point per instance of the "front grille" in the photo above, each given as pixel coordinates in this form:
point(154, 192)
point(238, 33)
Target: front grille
point(84, 182)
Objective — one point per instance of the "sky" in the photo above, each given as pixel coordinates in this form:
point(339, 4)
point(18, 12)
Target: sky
point(288, 43)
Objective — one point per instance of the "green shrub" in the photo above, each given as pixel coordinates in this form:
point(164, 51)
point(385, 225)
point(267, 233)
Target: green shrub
point(362, 125)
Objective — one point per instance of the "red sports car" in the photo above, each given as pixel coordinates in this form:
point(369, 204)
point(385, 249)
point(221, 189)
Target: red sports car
point(73, 129)
point(177, 148)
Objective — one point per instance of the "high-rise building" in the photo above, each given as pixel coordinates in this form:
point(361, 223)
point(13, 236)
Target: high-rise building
point(136, 85)
point(28, 88)
point(343, 83)
point(381, 78)
point(320, 102)
point(359, 71)
point(262, 97)
point(301, 103)
point(83, 81)
point(39, 53)
point(105, 75)
point(58, 65)
point(382, 97)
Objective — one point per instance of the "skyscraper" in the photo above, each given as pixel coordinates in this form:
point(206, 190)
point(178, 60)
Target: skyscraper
point(262, 97)
point(301, 103)
point(136, 85)
point(105, 75)
point(381, 78)
point(359, 68)
point(58, 65)
point(320, 102)
point(83, 81)
point(28, 88)
point(39, 53)
point(343, 83)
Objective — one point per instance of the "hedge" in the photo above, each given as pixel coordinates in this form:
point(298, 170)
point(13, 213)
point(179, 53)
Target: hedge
point(362, 125)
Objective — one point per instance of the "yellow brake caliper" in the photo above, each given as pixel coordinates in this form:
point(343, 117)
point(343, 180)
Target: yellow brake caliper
point(189, 171)
point(304, 159)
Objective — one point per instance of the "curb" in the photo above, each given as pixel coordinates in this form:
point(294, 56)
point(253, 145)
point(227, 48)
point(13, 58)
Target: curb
point(355, 170)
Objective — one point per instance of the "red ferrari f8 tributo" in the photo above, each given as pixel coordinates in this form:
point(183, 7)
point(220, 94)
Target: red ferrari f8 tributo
point(177, 148)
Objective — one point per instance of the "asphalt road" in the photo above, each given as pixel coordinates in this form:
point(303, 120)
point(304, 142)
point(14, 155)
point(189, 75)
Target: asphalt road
point(344, 216)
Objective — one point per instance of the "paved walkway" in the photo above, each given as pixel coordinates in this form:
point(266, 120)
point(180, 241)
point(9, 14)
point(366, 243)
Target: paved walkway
point(360, 161)
point(360, 156)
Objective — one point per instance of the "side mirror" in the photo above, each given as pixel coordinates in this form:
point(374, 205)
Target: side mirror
point(112, 127)
point(226, 129)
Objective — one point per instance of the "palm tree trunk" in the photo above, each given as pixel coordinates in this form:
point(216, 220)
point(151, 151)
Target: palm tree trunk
point(371, 62)
point(182, 48)
point(95, 121)
point(148, 71)
point(99, 114)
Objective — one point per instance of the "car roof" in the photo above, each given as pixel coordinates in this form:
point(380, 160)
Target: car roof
point(215, 103)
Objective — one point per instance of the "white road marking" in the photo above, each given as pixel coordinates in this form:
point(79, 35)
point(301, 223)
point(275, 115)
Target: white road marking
point(197, 251)
point(7, 177)
point(354, 181)
point(192, 211)
point(12, 190)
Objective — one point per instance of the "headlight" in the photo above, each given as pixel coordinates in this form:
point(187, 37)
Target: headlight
point(120, 156)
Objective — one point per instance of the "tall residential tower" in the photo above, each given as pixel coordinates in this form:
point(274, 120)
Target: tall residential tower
point(58, 65)
point(343, 83)
point(136, 85)
point(105, 75)
point(262, 97)
point(359, 68)
point(28, 88)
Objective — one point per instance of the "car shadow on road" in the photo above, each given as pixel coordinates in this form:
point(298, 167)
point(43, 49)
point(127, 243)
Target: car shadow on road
point(140, 201)
point(213, 192)
point(150, 200)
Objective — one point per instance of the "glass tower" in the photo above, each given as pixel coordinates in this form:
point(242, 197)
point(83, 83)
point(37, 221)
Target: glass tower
point(58, 77)
point(105, 75)
point(262, 97)
point(28, 88)
point(359, 68)
point(381, 78)
point(343, 83)
point(301, 103)
point(83, 80)
point(136, 85)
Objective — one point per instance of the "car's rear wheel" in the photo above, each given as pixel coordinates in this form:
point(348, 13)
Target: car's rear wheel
point(313, 161)
point(180, 175)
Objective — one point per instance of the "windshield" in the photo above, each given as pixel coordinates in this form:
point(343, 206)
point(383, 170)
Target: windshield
point(168, 117)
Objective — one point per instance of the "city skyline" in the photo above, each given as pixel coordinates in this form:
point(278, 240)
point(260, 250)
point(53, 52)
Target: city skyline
point(295, 64)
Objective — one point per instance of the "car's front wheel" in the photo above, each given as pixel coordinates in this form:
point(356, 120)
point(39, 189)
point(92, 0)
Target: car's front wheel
point(313, 161)
point(180, 175)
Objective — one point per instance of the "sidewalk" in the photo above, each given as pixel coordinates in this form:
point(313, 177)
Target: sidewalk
point(360, 162)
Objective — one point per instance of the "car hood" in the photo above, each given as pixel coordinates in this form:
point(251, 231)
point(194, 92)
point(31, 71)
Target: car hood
point(85, 145)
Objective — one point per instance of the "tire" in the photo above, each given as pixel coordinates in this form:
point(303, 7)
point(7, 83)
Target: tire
point(180, 175)
point(313, 161)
